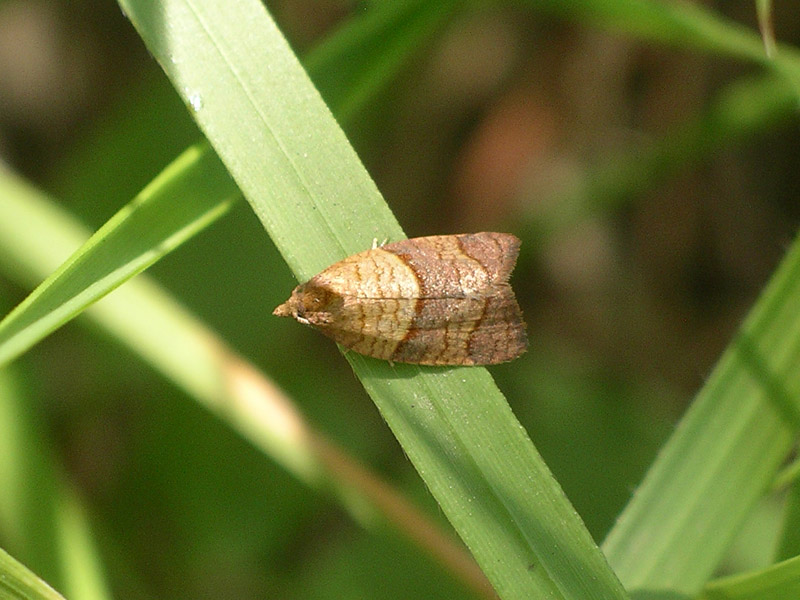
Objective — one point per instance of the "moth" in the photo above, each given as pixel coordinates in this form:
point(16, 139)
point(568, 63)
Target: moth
point(437, 300)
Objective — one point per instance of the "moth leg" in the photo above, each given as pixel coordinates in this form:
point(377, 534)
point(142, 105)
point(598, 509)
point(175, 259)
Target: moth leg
point(375, 243)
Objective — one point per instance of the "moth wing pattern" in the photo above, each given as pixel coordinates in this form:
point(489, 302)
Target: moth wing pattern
point(444, 262)
point(490, 331)
point(438, 300)
point(440, 331)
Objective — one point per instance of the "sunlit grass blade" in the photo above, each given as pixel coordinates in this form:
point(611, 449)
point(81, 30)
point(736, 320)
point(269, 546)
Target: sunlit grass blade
point(724, 454)
point(188, 195)
point(780, 581)
point(18, 583)
point(304, 181)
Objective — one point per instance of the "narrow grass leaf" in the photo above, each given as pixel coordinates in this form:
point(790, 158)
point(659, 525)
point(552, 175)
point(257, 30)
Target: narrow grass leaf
point(764, 11)
point(780, 581)
point(188, 195)
point(18, 583)
point(304, 181)
point(41, 518)
point(723, 455)
point(789, 544)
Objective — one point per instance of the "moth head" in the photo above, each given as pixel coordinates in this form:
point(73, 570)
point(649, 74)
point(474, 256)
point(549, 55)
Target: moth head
point(310, 304)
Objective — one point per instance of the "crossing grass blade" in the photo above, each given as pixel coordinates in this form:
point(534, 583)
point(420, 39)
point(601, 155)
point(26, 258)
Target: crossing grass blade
point(724, 454)
point(194, 191)
point(303, 180)
point(18, 583)
point(776, 582)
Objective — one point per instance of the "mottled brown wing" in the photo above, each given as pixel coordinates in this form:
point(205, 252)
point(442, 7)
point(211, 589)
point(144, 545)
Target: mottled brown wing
point(435, 331)
point(445, 263)
point(492, 332)
point(440, 300)
point(374, 327)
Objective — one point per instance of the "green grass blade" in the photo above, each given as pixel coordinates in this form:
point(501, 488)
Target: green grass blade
point(18, 583)
point(41, 518)
point(214, 64)
point(780, 581)
point(304, 181)
point(764, 11)
point(188, 195)
point(724, 454)
point(789, 545)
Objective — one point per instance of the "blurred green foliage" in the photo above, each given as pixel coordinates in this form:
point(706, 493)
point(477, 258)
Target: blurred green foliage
point(624, 326)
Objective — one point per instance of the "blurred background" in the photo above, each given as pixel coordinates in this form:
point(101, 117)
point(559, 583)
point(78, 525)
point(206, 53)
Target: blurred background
point(655, 192)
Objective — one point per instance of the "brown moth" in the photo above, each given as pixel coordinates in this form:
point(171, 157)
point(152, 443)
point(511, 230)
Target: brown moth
point(438, 300)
